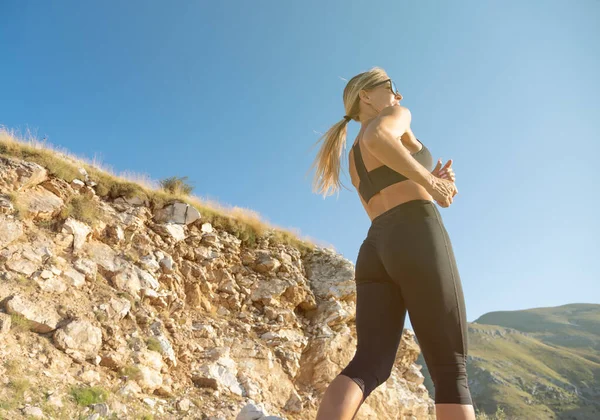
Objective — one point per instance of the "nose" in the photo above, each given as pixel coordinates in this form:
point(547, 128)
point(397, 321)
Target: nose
point(398, 96)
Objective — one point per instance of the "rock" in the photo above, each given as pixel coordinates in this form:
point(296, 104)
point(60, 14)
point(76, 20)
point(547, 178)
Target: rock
point(178, 212)
point(167, 264)
point(150, 379)
point(149, 358)
point(17, 174)
point(73, 277)
point(294, 403)
point(164, 391)
point(41, 203)
point(48, 282)
point(90, 377)
point(87, 267)
point(183, 405)
point(251, 411)
point(83, 173)
point(10, 230)
point(79, 230)
point(131, 388)
point(266, 264)
point(210, 238)
point(204, 331)
point(34, 412)
point(24, 267)
point(265, 292)
point(79, 338)
point(118, 308)
point(105, 258)
point(113, 360)
point(4, 324)
point(165, 345)
point(130, 201)
point(114, 234)
point(6, 207)
point(206, 228)
point(331, 313)
point(132, 279)
point(76, 184)
point(330, 275)
point(42, 316)
point(218, 375)
point(149, 263)
point(58, 187)
point(171, 231)
point(55, 401)
point(101, 409)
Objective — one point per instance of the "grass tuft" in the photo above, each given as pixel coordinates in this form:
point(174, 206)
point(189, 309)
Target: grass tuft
point(83, 209)
point(153, 344)
point(85, 396)
point(176, 185)
point(19, 323)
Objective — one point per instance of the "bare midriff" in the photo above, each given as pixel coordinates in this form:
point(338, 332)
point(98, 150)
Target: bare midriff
point(391, 196)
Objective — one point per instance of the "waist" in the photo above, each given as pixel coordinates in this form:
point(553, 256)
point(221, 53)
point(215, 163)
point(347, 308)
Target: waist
point(409, 209)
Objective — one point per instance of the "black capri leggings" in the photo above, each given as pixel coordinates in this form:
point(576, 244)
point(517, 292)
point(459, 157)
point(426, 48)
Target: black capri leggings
point(406, 263)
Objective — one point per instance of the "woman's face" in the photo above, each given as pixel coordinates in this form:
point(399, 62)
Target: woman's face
point(381, 97)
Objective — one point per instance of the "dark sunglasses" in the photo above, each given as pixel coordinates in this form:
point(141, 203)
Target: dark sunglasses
point(393, 87)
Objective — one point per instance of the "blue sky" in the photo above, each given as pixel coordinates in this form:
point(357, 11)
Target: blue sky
point(233, 94)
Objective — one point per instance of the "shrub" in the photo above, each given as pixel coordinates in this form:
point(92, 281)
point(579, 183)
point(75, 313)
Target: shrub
point(177, 186)
point(153, 344)
point(89, 395)
point(132, 372)
point(83, 209)
point(19, 323)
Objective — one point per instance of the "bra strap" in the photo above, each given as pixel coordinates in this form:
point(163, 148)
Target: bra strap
point(365, 186)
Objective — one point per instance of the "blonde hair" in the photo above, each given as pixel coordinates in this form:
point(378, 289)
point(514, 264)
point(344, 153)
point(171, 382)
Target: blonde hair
point(327, 175)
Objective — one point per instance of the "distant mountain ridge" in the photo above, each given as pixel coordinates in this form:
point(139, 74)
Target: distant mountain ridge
point(540, 363)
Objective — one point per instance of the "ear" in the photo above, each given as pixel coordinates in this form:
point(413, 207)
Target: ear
point(364, 96)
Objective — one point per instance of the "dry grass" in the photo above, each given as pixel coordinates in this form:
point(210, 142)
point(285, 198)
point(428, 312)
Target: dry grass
point(19, 206)
point(245, 224)
point(20, 323)
point(82, 208)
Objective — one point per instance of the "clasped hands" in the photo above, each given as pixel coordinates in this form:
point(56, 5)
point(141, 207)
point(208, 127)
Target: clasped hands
point(445, 172)
point(443, 192)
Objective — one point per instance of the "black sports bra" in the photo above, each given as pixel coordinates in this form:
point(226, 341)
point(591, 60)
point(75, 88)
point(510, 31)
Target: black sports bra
point(372, 182)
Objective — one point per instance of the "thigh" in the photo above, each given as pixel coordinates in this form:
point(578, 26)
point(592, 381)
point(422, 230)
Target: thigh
point(421, 261)
point(380, 308)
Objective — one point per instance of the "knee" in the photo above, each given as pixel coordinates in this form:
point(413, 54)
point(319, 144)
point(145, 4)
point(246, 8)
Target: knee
point(451, 384)
point(366, 375)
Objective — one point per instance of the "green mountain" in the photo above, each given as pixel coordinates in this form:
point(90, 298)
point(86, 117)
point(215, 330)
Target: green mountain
point(541, 363)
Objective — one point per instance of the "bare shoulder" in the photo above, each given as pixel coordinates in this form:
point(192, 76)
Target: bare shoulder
point(394, 119)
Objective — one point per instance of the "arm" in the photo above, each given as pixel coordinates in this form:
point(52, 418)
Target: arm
point(381, 141)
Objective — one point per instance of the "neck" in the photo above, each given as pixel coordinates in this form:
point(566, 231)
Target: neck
point(367, 115)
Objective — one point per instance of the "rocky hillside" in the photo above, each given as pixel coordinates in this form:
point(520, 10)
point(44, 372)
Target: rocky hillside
point(541, 363)
point(115, 305)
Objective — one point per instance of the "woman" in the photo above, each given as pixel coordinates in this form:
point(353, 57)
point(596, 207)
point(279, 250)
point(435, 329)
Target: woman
point(406, 263)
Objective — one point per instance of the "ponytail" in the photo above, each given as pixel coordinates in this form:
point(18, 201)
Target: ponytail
point(327, 162)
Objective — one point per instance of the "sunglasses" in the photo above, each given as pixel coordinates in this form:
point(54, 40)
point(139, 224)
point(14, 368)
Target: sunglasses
point(392, 86)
